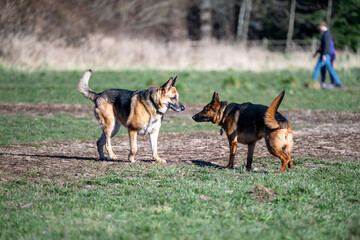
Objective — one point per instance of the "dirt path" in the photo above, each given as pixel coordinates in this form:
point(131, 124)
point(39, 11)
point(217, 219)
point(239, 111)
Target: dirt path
point(317, 134)
point(296, 117)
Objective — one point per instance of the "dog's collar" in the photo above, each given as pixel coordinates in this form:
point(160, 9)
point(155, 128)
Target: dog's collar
point(220, 113)
point(155, 106)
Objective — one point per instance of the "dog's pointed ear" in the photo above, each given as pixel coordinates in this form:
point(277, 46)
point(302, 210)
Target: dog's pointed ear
point(167, 85)
point(215, 98)
point(174, 81)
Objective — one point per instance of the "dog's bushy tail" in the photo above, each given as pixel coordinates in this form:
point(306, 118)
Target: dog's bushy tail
point(270, 120)
point(83, 86)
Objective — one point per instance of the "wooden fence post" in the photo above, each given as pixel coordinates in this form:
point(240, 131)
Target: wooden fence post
point(313, 45)
point(291, 26)
point(265, 43)
point(206, 23)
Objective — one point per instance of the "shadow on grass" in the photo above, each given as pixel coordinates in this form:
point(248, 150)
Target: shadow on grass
point(201, 163)
point(51, 156)
point(68, 157)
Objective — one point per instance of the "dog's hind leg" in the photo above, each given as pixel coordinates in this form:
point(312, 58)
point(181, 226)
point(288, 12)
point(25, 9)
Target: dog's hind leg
point(108, 135)
point(116, 129)
point(279, 147)
point(284, 160)
point(290, 165)
point(109, 125)
point(100, 146)
point(250, 155)
point(133, 145)
point(287, 149)
point(102, 141)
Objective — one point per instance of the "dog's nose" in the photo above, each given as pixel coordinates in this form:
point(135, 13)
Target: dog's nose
point(193, 117)
point(182, 107)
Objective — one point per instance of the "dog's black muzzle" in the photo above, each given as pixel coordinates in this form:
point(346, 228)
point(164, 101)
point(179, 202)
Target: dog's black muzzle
point(177, 108)
point(198, 118)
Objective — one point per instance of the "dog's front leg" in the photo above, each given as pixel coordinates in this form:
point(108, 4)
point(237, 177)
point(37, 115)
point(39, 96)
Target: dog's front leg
point(153, 137)
point(250, 155)
point(133, 145)
point(233, 145)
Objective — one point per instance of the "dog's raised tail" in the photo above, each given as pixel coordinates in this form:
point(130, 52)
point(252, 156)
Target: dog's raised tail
point(83, 86)
point(270, 120)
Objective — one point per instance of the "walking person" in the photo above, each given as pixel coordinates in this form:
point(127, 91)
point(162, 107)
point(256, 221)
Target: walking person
point(323, 69)
point(325, 60)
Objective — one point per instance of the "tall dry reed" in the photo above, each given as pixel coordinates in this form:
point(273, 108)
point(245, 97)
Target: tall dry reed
point(101, 52)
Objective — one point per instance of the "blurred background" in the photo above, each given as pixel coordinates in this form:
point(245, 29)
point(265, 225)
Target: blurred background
point(254, 35)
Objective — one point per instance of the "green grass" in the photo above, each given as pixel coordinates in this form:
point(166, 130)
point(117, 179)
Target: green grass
point(165, 202)
point(27, 129)
point(194, 87)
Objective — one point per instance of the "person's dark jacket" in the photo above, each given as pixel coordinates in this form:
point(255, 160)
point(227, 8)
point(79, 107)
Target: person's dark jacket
point(325, 44)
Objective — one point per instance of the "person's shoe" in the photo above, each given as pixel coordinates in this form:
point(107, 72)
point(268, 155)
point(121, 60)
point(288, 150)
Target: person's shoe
point(323, 85)
point(331, 86)
point(338, 86)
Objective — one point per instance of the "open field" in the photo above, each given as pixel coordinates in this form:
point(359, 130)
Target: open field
point(52, 186)
point(194, 86)
point(104, 52)
point(326, 136)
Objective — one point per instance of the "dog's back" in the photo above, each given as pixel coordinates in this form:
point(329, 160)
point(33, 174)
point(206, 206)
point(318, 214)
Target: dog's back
point(251, 117)
point(119, 98)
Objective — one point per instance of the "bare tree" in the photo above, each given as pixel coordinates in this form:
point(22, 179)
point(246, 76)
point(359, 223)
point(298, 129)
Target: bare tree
point(206, 26)
point(246, 22)
point(240, 26)
point(291, 25)
point(163, 19)
point(328, 12)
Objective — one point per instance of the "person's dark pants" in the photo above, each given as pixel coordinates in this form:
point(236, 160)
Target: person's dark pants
point(323, 70)
point(320, 64)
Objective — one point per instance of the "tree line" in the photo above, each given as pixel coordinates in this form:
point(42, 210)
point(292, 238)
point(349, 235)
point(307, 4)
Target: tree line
point(172, 20)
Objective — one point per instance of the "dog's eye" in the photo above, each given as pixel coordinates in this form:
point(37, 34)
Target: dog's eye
point(173, 98)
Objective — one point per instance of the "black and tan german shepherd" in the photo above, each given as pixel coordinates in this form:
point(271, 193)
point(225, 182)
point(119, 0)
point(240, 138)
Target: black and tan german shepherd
point(140, 112)
point(247, 123)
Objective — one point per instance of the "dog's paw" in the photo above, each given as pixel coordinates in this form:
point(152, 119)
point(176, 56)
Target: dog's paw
point(131, 158)
point(248, 169)
point(112, 158)
point(160, 160)
point(229, 166)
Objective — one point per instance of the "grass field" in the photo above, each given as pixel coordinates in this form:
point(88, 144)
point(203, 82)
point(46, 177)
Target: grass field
point(145, 200)
point(22, 128)
point(186, 203)
point(194, 87)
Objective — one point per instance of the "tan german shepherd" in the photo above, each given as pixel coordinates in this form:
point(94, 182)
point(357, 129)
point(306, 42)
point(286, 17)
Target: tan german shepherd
point(247, 123)
point(140, 112)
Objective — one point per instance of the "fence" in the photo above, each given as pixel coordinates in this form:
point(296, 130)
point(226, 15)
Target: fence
point(305, 45)
point(280, 45)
